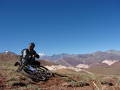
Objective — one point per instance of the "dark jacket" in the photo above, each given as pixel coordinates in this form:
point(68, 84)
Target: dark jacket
point(29, 55)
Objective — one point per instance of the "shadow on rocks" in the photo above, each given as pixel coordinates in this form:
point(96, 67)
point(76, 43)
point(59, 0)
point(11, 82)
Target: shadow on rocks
point(107, 83)
point(19, 84)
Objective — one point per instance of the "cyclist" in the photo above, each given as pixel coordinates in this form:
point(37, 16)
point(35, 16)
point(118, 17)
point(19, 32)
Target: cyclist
point(28, 57)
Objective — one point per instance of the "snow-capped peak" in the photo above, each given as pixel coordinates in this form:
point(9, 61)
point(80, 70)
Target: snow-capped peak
point(9, 52)
point(6, 51)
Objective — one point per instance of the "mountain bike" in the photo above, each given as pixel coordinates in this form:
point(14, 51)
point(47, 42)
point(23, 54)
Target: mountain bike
point(36, 73)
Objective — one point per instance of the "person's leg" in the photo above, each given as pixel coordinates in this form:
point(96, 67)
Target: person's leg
point(23, 63)
point(19, 62)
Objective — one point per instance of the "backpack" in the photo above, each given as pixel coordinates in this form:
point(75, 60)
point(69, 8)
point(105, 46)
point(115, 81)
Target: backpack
point(22, 52)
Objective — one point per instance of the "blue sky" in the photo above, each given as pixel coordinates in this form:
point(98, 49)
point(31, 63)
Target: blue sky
point(60, 26)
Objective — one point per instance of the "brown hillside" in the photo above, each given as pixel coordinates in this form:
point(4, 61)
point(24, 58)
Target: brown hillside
point(8, 57)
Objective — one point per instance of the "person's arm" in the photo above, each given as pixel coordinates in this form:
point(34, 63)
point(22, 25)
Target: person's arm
point(36, 55)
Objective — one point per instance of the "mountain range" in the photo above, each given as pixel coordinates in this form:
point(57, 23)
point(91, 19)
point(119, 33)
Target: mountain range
point(72, 59)
point(89, 59)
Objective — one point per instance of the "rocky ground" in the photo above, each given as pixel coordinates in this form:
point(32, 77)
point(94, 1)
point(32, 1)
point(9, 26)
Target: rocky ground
point(73, 80)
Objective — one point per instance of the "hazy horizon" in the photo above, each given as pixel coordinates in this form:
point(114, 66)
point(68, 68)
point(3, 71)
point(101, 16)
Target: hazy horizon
point(44, 54)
